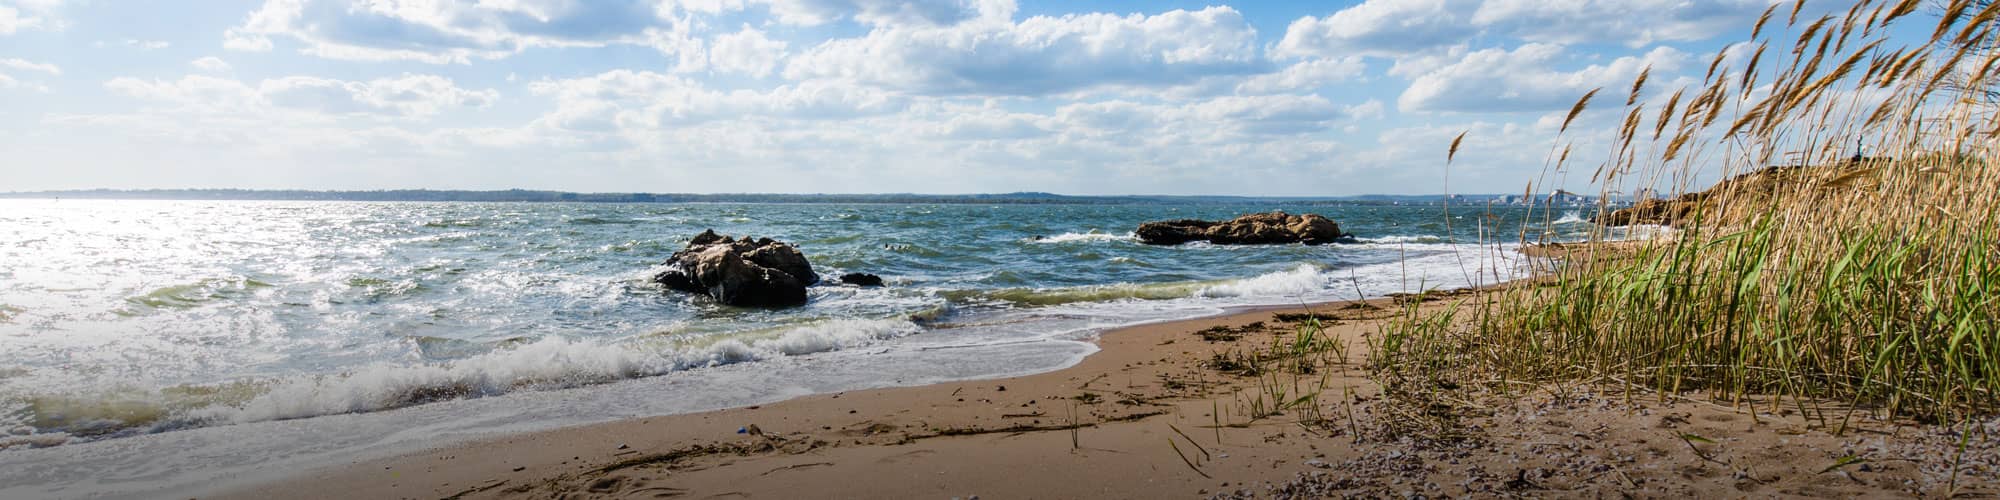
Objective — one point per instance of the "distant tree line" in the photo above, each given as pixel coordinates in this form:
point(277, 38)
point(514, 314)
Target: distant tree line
point(523, 195)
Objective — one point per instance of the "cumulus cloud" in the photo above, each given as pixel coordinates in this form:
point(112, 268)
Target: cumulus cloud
point(1041, 55)
point(888, 95)
point(1219, 120)
point(445, 31)
point(624, 98)
point(459, 31)
point(407, 96)
point(888, 12)
point(1524, 79)
point(1382, 28)
point(17, 15)
point(210, 64)
point(1391, 28)
point(747, 52)
point(990, 124)
point(12, 21)
point(1635, 23)
point(1304, 75)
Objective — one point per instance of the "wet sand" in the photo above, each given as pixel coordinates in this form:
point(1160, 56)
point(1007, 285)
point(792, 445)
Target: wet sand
point(1152, 416)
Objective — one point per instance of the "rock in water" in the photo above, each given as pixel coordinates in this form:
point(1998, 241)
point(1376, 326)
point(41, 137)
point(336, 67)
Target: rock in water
point(1253, 229)
point(861, 279)
point(745, 272)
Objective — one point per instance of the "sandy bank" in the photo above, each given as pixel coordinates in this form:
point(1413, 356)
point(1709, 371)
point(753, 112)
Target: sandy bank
point(1151, 416)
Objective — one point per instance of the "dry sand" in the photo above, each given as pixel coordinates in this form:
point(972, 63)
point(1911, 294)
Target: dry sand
point(1140, 420)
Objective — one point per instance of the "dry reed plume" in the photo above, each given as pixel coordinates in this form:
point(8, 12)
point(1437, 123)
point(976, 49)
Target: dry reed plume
point(1811, 273)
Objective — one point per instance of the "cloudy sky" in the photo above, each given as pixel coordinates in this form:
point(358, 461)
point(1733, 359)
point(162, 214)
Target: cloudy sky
point(932, 96)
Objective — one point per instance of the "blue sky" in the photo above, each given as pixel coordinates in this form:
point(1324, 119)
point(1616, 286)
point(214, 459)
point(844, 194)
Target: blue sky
point(933, 96)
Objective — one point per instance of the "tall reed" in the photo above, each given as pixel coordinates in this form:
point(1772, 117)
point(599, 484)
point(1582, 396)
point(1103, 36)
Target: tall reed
point(1808, 271)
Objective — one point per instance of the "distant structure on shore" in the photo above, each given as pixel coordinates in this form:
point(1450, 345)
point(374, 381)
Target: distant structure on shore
point(1559, 198)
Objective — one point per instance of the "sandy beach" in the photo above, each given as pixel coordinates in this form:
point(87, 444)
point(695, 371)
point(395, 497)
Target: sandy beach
point(471, 249)
point(1151, 416)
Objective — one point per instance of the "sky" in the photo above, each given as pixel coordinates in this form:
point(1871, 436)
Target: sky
point(828, 96)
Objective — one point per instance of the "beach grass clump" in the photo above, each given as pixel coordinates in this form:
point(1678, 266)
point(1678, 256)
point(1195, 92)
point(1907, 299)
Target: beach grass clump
point(1850, 256)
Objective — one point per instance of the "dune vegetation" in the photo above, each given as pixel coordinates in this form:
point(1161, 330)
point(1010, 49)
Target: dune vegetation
point(1847, 261)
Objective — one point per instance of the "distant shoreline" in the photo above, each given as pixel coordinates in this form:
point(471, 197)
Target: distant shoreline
point(518, 195)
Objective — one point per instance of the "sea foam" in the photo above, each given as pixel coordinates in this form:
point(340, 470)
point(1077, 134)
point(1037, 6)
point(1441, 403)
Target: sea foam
point(1092, 236)
point(550, 363)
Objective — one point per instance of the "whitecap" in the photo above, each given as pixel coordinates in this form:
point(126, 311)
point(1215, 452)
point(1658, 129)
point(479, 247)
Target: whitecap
point(1092, 236)
point(1302, 280)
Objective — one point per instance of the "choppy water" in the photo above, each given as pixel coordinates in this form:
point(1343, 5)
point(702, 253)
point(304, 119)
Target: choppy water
point(139, 330)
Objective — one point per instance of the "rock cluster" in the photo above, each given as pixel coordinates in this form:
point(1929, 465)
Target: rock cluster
point(745, 272)
point(1253, 229)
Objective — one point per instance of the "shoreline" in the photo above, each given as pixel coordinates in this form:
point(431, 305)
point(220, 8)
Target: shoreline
point(594, 443)
point(1147, 416)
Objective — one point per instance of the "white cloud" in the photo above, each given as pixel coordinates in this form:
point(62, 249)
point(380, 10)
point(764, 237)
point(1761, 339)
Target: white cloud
point(1041, 55)
point(1392, 28)
point(1635, 23)
point(1524, 79)
point(194, 92)
point(1304, 75)
point(446, 31)
point(870, 95)
point(747, 52)
point(11, 21)
point(1220, 120)
point(210, 64)
point(1377, 28)
point(239, 40)
point(17, 15)
point(988, 123)
point(888, 12)
point(147, 44)
point(643, 99)
point(407, 96)
point(23, 65)
point(8, 81)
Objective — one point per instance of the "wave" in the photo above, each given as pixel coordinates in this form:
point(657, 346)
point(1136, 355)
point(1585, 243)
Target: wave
point(1571, 217)
point(189, 295)
point(507, 366)
point(1301, 280)
point(1304, 279)
point(1072, 295)
point(1401, 239)
point(596, 221)
point(454, 223)
point(1092, 236)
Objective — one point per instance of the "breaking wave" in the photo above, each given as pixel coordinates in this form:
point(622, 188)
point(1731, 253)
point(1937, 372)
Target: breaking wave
point(1092, 236)
point(512, 365)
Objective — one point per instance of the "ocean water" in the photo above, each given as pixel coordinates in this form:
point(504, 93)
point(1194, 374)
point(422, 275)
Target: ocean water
point(160, 346)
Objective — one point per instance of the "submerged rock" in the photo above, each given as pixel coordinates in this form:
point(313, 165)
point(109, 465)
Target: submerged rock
point(861, 279)
point(1253, 229)
point(745, 272)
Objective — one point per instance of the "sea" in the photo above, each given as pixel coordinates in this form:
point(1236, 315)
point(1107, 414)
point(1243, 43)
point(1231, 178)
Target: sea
point(156, 348)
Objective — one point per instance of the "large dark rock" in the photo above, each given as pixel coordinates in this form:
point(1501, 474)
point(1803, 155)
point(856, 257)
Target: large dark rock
point(1253, 229)
point(745, 272)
